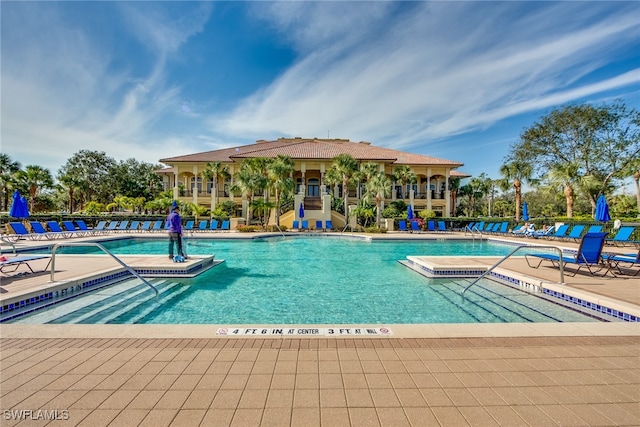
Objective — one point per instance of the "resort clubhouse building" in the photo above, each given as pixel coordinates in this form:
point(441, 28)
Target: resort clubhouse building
point(313, 158)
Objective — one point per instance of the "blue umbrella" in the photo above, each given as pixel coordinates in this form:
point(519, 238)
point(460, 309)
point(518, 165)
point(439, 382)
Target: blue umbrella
point(602, 209)
point(525, 211)
point(409, 213)
point(18, 208)
point(301, 211)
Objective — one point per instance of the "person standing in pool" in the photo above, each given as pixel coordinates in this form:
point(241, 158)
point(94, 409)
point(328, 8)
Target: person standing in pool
point(175, 230)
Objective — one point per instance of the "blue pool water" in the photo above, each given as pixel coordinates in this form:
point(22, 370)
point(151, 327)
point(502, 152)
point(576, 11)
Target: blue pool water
point(311, 280)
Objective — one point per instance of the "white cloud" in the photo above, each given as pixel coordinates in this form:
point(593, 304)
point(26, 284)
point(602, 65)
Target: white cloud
point(437, 70)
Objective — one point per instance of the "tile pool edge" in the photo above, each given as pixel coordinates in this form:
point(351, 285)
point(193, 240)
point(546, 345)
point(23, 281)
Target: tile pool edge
point(400, 331)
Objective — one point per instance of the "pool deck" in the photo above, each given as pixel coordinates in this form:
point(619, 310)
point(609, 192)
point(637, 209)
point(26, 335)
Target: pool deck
point(488, 374)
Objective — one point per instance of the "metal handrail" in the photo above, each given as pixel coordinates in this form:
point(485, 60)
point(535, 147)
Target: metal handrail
point(105, 250)
point(472, 230)
point(490, 269)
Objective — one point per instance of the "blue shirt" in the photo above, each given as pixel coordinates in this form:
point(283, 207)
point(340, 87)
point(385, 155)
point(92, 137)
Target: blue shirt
point(175, 225)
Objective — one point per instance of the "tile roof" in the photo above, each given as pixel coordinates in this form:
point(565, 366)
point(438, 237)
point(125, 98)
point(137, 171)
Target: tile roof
point(316, 149)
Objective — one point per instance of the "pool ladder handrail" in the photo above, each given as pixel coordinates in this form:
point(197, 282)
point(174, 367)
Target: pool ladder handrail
point(473, 231)
point(55, 247)
point(490, 269)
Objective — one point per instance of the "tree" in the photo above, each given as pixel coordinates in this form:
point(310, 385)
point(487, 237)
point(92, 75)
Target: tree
point(135, 179)
point(93, 171)
point(343, 169)
point(247, 181)
point(600, 141)
point(405, 175)
point(213, 171)
point(35, 178)
point(8, 169)
point(566, 176)
point(279, 172)
point(69, 184)
point(454, 186)
point(379, 185)
point(516, 171)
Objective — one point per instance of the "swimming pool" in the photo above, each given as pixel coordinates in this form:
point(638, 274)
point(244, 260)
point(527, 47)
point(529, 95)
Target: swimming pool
point(311, 280)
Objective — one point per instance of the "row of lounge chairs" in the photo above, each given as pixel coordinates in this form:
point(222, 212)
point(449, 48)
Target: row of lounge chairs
point(78, 228)
point(432, 226)
point(303, 225)
point(562, 232)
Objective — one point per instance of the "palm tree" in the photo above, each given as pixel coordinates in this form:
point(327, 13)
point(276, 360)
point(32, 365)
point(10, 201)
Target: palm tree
point(8, 169)
point(247, 181)
point(279, 172)
point(344, 168)
point(213, 171)
point(405, 175)
point(454, 185)
point(379, 185)
point(565, 175)
point(516, 171)
point(69, 183)
point(35, 178)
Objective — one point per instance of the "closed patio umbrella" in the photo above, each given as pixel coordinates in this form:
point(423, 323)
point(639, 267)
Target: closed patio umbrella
point(602, 209)
point(301, 211)
point(525, 211)
point(19, 209)
point(409, 213)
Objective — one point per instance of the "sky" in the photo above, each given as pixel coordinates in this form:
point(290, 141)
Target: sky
point(455, 80)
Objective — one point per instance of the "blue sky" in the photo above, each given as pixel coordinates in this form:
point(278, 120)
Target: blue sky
point(457, 80)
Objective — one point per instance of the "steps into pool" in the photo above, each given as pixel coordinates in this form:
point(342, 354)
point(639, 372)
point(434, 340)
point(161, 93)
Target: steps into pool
point(109, 303)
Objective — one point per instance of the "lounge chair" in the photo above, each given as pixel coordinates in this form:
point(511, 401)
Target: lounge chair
point(295, 225)
point(431, 226)
point(504, 227)
point(54, 227)
point(113, 226)
point(478, 226)
point(203, 225)
point(543, 233)
point(19, 231)
point(38, 228)
point(101, 227)
point(157, 225)
point(145, 226)
point(615, 260)
point(576, 232)
point(83, 226)
point(305, 225)
point(123, 226)
point(134, 226)
point(442, 227)
point(559, 233)
point(188, 226)
point(622, 236)
point(319, 225)
point(415, 227)
point(225, 226)
point(402, 225)
point(71, 227)
point(214, 225)
point(328, 225)
point(595, 229)
point(589, 255)
point(19, 260)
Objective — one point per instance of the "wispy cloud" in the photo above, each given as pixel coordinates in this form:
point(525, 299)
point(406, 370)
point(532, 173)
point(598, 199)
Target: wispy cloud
point(405, 75)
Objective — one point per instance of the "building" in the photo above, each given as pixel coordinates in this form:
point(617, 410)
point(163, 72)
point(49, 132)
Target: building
point(313, 158)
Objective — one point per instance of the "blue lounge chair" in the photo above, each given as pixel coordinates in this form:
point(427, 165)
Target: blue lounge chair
point(415, 227)
point(123, 226)
point(576, 232)
point(113, 226)
point(71, 228)
point(203, 225)
point(214, 225)
point(319, 225)
point(328, 225)
point(402, 225)
point(479, 226)
point(595, 229)
point(134, 226)
point(543, 233)
point(504, 227)
point(145, 226)
point(19, 260)
point(589, 255)
point(83, 226)
point(157, 225)
point(225, 225)
point(19, 231)
point(38, 228)
point(305, 224)
point(54, 227)
point(101, 227)
point(431, 226)
point(296, 224)
point(559, 233)
point(442, 227)
point(188, 226)
point(615, 260)
point(622, 236)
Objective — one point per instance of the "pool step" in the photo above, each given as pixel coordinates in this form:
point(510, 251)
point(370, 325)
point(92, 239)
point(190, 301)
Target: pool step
point(78, 309)
point(132, 318)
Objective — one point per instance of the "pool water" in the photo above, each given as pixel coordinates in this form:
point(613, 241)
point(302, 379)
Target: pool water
point(311, 280)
